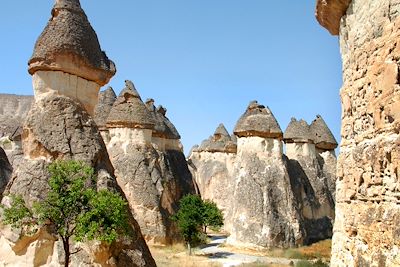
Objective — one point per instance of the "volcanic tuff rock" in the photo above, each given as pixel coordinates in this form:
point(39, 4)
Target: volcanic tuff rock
point(269, 199)
point(59, 126)
point(329, 13)
point(69, 44)
point(5, 171)
point(69, 134)
point(212, 166)
point(366, 230)
point(153, 180)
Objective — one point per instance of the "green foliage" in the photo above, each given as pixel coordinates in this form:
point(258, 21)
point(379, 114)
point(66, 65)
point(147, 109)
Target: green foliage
point(106, 217)
point(73, 207)
point(195, 214)
point(18, 215)
point(318, 263)
point(189, 217)
point(212, 215)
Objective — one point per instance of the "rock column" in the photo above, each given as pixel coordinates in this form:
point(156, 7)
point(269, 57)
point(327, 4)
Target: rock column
point(264, 206)
point(68, 68)
point(366, 230)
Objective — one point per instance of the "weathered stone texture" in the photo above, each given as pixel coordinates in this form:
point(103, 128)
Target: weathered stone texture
point(367, 229)
point(5, 171)
point(59, 128)
point(329, 13)
point(269, 199)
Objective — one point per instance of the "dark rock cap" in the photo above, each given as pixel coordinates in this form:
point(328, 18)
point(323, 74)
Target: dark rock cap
point(221, 141)
point(258, 120)
point(221, 131)
point(322, 135)
point(329, 13)
point(129, 111)
point(103, 107)
point(298, 132)
point(163, 128)
point(69, 44)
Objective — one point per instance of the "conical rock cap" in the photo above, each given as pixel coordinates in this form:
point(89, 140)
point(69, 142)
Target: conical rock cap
point(322, 135)
point(258, 120)
point(129, 111)
point(103, 108)
point(298, 131)
point(69, 44)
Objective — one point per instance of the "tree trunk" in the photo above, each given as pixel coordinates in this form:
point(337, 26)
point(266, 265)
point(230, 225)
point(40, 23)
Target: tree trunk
point(189, 248)
point(66, 251)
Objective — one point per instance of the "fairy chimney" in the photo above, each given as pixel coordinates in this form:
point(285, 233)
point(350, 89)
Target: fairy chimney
point(103, 108)
point(67, 58)
point(129, 118)
point(298, 139)
point(258, 130)
point(322, 135)
point(165, 136)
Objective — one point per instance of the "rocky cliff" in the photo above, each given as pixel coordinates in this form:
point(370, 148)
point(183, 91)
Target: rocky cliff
point(366, 230)
point(68, 68)
point(269, 199)
point(150, 166)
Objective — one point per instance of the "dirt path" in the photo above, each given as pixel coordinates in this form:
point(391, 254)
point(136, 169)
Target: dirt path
point(227, 258)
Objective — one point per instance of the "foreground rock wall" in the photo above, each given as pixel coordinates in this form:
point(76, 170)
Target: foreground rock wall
point(367, 225)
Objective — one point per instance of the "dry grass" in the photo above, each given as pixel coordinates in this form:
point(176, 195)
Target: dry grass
point(320, 250)
point(176, 255)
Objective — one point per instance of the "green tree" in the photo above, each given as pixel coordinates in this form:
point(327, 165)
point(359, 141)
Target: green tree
point(189, 218)
point(195, 214)
point(212, 215)
point(73, 208)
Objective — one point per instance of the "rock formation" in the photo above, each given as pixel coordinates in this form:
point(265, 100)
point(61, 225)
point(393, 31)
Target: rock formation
point(366, 230)
point(269, 199)
point(67, 57)
point(67, 67)
point(212, 165)
point(264, 207)
point(311, 184)
point(102, 110)
point(13, 111)
point(145, 150)
point(5, 171)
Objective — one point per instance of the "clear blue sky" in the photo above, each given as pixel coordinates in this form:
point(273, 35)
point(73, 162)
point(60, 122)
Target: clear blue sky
point(203, 60)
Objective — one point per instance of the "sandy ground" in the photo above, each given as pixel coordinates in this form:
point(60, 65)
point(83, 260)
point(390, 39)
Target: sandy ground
point(213, 255)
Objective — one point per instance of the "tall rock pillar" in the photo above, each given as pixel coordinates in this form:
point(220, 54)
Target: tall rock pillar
point(67, 68)
point(264, 206)
point(367, 229)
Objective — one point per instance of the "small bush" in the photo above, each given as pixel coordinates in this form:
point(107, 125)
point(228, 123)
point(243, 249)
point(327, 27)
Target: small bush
point(318, 263)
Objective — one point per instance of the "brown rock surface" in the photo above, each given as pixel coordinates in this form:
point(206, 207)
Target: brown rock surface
point(329, 13)
point(366, 230)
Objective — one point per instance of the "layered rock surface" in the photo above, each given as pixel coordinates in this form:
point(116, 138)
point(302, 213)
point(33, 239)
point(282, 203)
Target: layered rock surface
point(269, 199)
point(212, 166)
point(366, 230)
point(59, 126)
point(71, 134)
point(152, 179)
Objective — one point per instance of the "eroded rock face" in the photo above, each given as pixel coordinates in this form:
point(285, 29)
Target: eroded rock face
point(59, 128)
point(5, 171)
point(329, 13)
point(366, 230)
point(153, 174)
point(264, 205)
point(269, 199)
